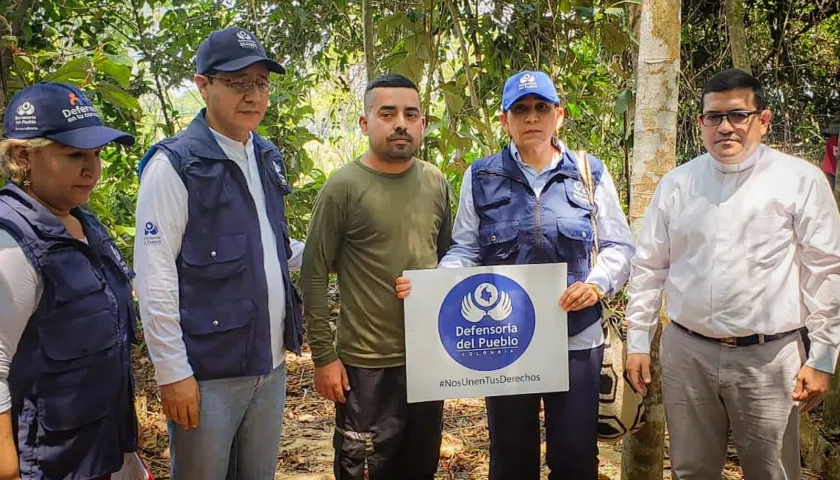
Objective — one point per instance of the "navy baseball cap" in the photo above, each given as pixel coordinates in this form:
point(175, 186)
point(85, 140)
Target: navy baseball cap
point(59, 112)
point(528, 83)
point(231, 50)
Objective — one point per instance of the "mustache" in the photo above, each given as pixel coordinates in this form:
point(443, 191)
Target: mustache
point(400, 136)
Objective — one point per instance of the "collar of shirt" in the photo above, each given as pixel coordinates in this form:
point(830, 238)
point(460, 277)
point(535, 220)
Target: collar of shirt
point(235, 150)
point(741, 166)
point(529, 171)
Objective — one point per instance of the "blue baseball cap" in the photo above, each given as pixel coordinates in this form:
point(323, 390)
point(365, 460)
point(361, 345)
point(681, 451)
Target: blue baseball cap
point(231, 50)
point(528, 83)
point(59, 112)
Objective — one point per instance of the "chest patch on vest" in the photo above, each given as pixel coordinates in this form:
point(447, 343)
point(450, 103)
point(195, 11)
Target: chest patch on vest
point(579, 193)
point(278, 169)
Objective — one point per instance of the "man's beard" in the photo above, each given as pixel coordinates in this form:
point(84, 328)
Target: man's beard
point(392, 154)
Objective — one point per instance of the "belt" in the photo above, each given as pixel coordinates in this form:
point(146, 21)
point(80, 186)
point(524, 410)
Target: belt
point(733, 342)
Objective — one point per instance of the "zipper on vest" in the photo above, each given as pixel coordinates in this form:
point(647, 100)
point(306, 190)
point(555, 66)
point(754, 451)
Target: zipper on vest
point(537, 224)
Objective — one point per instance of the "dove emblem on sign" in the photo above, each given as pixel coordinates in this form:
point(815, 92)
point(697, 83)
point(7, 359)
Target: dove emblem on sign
point(476, 305)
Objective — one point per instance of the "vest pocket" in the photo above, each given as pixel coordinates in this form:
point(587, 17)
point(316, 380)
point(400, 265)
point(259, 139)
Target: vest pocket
point(213, 257)
point(76, 289)
point(499, 241)
point(574, 242)
point(216, 337)
point(69, 344)
point(81, 374)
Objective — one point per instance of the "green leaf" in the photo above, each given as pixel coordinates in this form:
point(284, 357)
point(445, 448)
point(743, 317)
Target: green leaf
point(622, 101)
point(125, 230)
point(613, 38)
point(454, 103)
point(574, 110)
point(114, 67)
point(23, 62)
point(412, 67)
point(75, 71)
point(615, 12)
point(118, 97)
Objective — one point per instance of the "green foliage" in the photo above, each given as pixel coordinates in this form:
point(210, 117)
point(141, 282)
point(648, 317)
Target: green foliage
point(135, 60)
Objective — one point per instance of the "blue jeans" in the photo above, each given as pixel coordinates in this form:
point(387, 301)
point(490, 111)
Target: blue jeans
point(239, 425)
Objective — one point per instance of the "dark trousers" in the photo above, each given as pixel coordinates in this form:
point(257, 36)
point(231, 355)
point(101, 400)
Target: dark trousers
point(571, 424)
point(376, 428)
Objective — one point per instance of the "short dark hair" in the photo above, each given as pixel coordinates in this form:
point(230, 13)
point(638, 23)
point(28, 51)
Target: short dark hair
point(734, 79)
point(391, 80)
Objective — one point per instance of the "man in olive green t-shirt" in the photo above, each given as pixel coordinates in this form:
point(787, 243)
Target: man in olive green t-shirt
point(384, 213)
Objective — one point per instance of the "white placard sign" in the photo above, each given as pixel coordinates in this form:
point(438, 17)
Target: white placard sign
point(486, 331)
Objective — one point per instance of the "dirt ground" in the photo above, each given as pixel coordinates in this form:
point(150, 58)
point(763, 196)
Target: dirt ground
point(306, 449)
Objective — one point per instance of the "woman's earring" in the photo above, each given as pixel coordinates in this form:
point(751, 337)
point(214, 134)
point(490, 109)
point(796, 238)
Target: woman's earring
point(26, 182)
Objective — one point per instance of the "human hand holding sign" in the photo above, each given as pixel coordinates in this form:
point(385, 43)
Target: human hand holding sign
point(578, 296)
point(403, 287)
point(811, 387)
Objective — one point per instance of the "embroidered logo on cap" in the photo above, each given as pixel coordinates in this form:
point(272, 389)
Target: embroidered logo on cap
point(527, 81)
point(73, 99)
point(245, 39)
point(25, 119)
point(26, 108)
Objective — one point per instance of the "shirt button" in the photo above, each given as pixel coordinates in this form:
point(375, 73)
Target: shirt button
point(215, 323)
point(213, 254)
point(493, 238)
point(583, 234)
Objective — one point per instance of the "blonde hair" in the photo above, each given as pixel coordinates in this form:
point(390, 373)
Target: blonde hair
point(10, 167)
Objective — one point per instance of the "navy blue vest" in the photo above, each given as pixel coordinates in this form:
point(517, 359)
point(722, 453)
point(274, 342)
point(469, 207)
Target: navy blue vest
point(517, 227)
point(71, 379)
point(221, 273)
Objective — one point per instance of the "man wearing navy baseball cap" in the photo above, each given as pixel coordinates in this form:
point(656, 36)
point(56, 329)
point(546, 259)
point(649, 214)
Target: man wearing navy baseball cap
point(213, 255)
point(544, 185)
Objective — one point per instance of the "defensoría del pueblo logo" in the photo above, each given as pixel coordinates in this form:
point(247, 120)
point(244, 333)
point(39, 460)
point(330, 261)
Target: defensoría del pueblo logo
point(486, 322)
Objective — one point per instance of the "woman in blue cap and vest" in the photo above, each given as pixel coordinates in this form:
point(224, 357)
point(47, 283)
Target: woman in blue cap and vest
point(67, 315)
point(526, 205)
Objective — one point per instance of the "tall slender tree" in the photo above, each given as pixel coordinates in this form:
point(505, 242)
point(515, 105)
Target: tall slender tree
point(654, 153)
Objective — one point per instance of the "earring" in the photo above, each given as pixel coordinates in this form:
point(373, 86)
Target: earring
point(26, 182)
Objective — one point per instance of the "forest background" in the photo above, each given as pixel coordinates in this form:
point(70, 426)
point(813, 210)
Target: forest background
point(134, 58)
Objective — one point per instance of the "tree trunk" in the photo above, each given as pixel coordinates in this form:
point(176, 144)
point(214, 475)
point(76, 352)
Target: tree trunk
point(10, 33)
point(654, 153)
point(734, 13)
point(490, 142)
point(370, 42)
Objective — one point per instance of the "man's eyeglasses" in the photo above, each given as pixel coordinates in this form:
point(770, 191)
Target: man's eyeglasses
point(737, 117)
point(244, 86)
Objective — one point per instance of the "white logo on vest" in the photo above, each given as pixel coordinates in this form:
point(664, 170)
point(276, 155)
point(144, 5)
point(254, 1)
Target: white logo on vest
point(579, 193)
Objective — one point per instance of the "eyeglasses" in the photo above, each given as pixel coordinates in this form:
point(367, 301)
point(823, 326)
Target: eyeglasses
point(737, 117)
point(244, 86)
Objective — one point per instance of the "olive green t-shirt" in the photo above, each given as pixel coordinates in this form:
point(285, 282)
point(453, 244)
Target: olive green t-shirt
point(368, 227)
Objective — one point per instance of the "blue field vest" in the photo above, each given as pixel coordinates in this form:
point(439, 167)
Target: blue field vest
point(221, 274)
point(71, 379)
point(517, 227)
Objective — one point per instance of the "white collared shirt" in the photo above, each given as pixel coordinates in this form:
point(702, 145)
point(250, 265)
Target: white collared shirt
point(750, 248)
point(162, 201)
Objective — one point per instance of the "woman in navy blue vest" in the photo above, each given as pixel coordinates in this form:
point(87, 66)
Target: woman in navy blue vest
point(526, 205)
point(67, 315)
